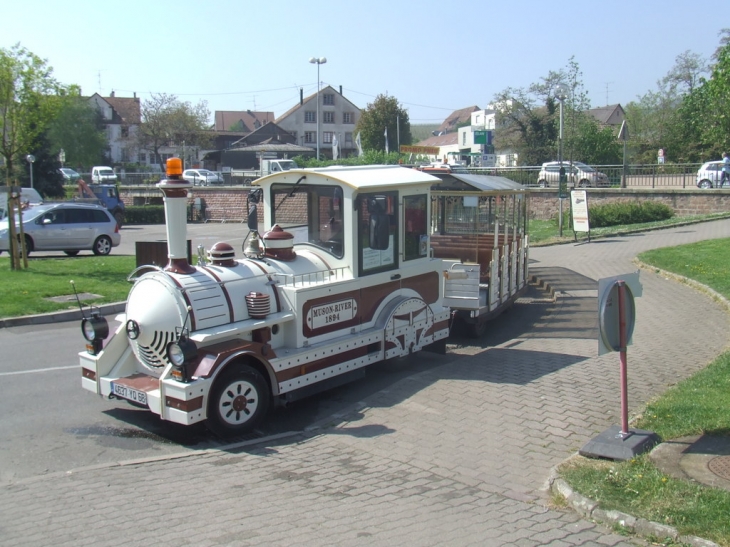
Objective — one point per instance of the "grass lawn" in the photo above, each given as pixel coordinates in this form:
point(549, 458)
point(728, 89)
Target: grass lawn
point(698, 405)
point(25, 292)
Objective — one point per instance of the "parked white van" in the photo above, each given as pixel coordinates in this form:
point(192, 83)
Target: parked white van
point(102, 174)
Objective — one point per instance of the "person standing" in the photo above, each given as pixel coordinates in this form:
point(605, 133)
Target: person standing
point(725, 169)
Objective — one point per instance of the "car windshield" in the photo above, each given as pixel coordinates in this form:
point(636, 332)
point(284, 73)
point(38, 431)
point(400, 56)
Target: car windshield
point(205, 173)
point(287, 165)
point(106, 172)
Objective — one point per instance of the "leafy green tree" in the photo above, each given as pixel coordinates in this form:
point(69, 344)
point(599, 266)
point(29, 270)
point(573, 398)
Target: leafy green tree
point(166, 121)
point(594, 144)
point(27, 93)
point(384, 112)
point(78, 130)
point(47, 178)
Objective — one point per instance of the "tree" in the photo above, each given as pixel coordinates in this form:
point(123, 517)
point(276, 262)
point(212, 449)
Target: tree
point(78, 130)
point(685, 75)
point(166, 121)
point(593, 144)
point(384, 113)
point(27, 92)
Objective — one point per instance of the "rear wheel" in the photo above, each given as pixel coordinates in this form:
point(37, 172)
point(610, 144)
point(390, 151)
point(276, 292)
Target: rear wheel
point(476, 329)
point(584, 184)
point(542, 183)
point(102, 245)
point(238, 401)
point(705, 184)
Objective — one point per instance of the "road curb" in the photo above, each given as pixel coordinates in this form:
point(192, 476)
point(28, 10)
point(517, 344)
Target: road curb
point(59, 317)
point(646, 529)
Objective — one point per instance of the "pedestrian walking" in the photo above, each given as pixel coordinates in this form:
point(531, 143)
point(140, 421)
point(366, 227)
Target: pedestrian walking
point(725, 169)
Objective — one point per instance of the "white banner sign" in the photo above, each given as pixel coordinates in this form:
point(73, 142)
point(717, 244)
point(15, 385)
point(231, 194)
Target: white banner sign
point(334, 312)
point(579, 202)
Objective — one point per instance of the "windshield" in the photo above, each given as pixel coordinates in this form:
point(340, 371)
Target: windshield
point(584, 167)
point(286, 165)
point(312, 214)
point(106, 172)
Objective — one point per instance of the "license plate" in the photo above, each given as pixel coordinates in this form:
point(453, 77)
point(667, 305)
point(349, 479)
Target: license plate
point(130, 394)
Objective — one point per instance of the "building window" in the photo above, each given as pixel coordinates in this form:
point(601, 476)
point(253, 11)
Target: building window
point(125, 132)
point(463, 138)
point(329, 117)
point(348, 117)
point(142, 157)
point(125, 155)
point(310, 116)
point(327, 137)
point(328, 98)
point(348, 139)
point(310, 136)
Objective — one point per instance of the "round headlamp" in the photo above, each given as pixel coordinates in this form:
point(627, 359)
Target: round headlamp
point(94, 328)
point(181, 351)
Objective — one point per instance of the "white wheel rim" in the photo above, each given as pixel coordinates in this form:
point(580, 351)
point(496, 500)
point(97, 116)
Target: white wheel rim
point(238, 402)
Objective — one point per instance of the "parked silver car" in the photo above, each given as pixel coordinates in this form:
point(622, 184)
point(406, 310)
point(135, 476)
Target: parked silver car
point(67, 227)
point(709, 175)
point(581, 175)
point(202, 177)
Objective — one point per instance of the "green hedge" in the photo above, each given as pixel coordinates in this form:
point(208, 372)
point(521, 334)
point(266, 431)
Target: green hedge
point(145, 214)
point(616, 214)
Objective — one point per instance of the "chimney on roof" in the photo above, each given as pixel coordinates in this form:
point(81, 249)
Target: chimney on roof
point(112, 94)
point(134, 94)
point(340, 89)
point(301, 96)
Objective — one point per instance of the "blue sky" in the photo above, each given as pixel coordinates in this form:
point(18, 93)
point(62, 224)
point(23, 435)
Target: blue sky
point(434, 59)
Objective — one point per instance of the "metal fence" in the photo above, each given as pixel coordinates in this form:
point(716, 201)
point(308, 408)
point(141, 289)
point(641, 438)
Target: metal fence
point(673, 175)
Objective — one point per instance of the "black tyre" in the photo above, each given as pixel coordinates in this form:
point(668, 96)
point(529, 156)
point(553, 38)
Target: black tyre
point(705, 184)
point(102, 246)
point(71, 253)
point(542, 183)
point(238, 402)
point(28, 244)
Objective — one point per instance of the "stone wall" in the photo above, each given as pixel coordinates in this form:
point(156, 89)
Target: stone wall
point(544, 203)
point(229, 204)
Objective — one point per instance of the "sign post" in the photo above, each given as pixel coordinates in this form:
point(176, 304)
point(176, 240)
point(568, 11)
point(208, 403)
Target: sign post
point(616, 319)
point(579, 213)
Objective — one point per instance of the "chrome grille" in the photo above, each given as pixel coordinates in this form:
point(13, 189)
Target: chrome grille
point(154, 355)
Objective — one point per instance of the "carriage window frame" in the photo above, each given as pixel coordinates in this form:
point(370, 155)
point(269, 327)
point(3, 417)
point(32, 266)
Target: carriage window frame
point(366, 255)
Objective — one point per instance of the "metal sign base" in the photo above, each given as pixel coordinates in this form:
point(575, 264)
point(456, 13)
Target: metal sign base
point(612, 444)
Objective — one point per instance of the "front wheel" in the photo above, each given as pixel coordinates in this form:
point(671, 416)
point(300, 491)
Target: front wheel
point(238, 401)
point(584, 184)
point(542, 183)
point(705, 184)
point(102, 245)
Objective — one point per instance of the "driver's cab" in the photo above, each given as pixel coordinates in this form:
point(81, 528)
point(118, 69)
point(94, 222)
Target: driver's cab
point(369, 220)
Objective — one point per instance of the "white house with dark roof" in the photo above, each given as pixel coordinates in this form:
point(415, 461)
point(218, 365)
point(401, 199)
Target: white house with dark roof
point(612, 115)
point(121, 117)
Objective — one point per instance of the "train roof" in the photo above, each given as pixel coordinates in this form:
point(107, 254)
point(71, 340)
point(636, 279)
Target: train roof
point(359, 177)
point(465, 182)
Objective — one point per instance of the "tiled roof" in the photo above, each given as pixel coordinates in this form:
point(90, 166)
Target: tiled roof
point(225, 119)
point(604, 113)
point(128, 109)
point(447, 139)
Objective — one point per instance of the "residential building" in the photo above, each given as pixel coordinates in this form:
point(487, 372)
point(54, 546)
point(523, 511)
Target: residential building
point(121, 117)
point(337, 119)
point(611, 115)
point(241, 121)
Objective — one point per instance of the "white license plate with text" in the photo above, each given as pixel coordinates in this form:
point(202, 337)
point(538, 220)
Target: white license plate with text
point(131, 394)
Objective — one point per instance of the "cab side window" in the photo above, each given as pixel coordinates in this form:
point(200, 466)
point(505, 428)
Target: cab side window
point(377, 232)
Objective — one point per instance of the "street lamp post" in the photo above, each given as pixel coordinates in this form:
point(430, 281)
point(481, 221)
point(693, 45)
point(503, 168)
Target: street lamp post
point(30, 158)
point(318, 61)
point(561, 93)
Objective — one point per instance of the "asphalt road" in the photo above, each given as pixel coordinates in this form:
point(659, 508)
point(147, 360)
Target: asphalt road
point(49, 423)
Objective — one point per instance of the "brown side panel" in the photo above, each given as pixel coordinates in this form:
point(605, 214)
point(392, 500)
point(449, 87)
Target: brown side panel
point(372, 297)
point(320, 364)
point(212, 356)
point(427, 285)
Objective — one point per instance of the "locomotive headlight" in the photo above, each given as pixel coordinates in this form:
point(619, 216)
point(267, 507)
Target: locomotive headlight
point(95, 329)
point(180, 353)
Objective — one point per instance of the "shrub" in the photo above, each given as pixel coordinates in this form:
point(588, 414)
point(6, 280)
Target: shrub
point(616, 214)
point(146, 214)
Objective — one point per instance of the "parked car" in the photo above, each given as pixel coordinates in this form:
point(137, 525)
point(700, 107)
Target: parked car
point(69, 175)
point(29, 197)
point(68, 227)
point(581, 175)
point(709, 175)
point(103, 174)
point(202, 177)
